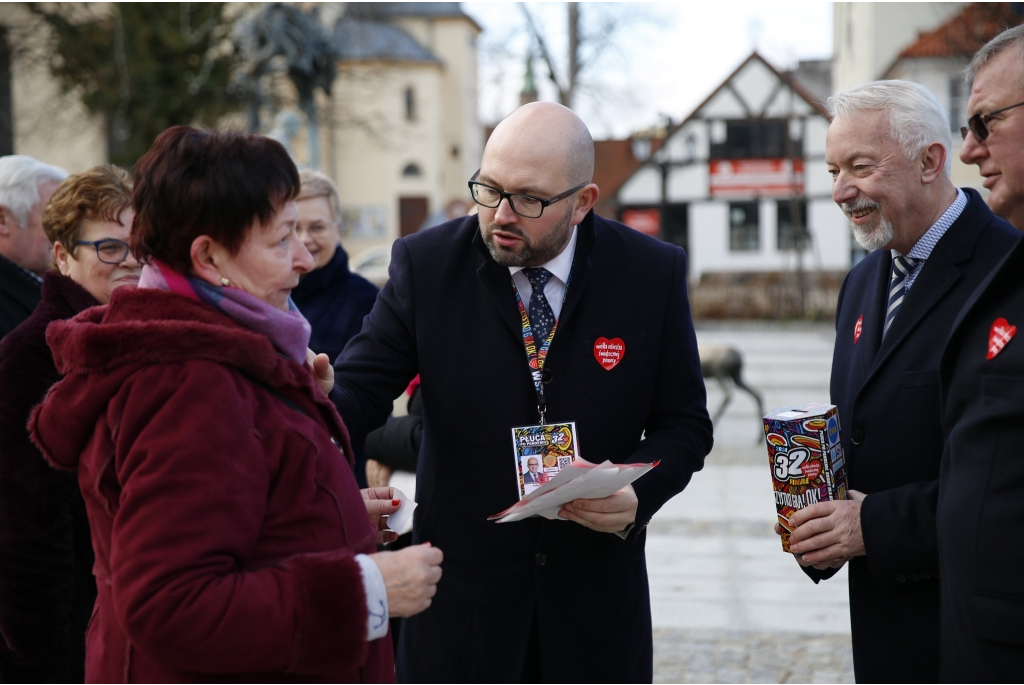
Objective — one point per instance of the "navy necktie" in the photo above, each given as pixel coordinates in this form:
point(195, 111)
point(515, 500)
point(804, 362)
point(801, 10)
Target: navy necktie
point(541, 316)
point(901, 268)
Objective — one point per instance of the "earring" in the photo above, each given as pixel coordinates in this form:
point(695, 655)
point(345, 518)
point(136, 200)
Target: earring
point(224, 282)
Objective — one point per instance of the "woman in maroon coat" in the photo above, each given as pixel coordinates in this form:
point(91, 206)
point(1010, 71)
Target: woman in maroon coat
point(231, 540)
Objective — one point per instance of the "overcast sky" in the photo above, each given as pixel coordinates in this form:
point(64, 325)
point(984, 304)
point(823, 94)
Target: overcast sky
point(665, 58)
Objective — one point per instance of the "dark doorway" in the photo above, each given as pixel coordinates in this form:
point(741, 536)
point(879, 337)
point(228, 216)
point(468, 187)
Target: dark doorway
point(412, 211)
point(675, 226)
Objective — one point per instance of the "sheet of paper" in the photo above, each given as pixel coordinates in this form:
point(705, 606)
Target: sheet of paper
point(582, 480)
point(401, 520)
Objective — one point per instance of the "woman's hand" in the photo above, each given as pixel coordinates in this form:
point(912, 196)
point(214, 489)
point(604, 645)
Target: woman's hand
point(378, 475)
point(323, 372)
point(380, 503)
point(410, 576)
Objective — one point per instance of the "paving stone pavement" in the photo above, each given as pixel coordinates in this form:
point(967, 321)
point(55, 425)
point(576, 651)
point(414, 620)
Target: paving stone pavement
point(737, 656)
point(728, 606)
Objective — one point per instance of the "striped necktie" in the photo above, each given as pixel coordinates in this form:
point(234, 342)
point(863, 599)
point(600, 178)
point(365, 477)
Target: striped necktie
point(901, 268)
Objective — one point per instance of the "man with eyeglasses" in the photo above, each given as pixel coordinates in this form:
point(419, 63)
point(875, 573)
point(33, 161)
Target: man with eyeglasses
point(26, 185)
point(535, 311)
point(981, 483)
point(931, 244)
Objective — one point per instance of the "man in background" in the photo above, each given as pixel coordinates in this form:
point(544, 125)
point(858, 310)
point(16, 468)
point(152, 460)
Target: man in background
point(26, 185)
point(931, 244)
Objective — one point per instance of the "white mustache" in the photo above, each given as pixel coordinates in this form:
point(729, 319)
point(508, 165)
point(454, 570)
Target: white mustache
point(849, 209)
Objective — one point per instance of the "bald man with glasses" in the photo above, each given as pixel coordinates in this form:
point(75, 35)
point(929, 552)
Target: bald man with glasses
point(981, 481)
point(534, 311)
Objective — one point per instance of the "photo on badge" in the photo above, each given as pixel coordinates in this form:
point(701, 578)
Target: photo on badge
point(541, 452)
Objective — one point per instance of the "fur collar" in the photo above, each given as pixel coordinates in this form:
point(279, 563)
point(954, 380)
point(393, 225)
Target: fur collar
point(98, 349)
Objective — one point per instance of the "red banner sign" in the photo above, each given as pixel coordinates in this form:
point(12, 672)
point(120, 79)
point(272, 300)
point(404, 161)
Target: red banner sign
point(743, 178)
point(644, 220)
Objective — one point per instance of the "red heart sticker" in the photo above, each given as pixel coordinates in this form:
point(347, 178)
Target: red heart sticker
point(609, 353)
point(857, 328)
point(1000, 334)
point(811, 469)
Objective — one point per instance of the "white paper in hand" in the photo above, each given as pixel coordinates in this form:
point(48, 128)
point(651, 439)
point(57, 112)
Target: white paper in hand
point(581, 480)
point(401, 520)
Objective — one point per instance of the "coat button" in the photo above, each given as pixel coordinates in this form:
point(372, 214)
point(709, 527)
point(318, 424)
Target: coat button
point(926, 576)
point(857, 436)
point(546, 376)
point(914, 576)
point(901, 578)
point(540, 559)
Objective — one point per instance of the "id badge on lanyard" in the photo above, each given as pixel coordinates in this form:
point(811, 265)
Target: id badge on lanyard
point(544, 449)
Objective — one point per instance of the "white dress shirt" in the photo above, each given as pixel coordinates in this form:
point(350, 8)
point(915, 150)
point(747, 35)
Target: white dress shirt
point(560, 268)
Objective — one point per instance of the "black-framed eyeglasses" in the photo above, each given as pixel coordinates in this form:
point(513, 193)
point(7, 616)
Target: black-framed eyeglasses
point(108, 250)
point(526, 206)
point(978, 123)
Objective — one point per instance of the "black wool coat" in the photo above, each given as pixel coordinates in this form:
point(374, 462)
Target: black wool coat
point(888, 398)
point(19, 295)
point(449, 312)
point(981, 485)
point(47, 588)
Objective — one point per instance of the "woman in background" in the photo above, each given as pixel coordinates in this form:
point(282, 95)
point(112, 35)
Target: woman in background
point(333, 299)
point(47, 588)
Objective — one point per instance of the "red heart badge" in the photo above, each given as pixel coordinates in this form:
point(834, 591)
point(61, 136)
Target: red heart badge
point(857, 328)
point(811, 469)
point(1000, 334)
point(609, 353)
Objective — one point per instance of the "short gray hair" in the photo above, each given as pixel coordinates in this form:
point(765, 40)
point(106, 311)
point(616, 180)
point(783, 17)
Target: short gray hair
point(916, 119)
point(1007, 39)
point(20, 177)
point(315, 184)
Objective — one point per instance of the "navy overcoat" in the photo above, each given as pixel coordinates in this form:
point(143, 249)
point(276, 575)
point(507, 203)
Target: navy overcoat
point(888, 398)
point(981, 484)
point(449, 312)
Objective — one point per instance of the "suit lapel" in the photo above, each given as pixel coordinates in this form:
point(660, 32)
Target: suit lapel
point(497, 282)
point(937, 276)
point(582, 265)
point(874, 317)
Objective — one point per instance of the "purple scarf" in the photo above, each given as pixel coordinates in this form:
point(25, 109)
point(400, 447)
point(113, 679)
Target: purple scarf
point(289, 331)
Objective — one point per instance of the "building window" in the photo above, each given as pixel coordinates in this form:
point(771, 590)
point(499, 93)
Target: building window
point(744, 227)
point(957, 102)
point(410, 104)
point(756, 139)
point(787, 232)
point(412, 169)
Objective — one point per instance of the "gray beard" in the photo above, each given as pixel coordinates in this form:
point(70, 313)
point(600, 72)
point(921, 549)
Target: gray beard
point(530, 254)
point(876, 239)
point(871, 238)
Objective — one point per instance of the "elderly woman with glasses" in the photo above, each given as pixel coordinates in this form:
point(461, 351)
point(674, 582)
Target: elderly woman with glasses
point(232, 542)
point(46, 583)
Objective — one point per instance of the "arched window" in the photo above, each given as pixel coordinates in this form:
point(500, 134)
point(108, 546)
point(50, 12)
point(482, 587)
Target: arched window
point(412, 169)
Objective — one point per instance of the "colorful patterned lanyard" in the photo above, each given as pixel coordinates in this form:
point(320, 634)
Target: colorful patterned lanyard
point(534, 357)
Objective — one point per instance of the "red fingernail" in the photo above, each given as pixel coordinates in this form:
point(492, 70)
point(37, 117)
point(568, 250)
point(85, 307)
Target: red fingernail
point(395, 502)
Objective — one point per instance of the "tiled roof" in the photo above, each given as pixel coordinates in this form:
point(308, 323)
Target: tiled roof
point(962, 35)
point(359, 40)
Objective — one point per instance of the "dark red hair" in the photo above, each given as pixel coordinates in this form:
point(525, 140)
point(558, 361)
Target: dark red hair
point(194, 183)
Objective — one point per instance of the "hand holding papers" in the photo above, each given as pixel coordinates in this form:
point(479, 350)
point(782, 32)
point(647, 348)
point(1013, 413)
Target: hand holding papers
point(579, 480)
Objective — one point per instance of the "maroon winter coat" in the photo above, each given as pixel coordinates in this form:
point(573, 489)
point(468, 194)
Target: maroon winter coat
point(224, 519)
